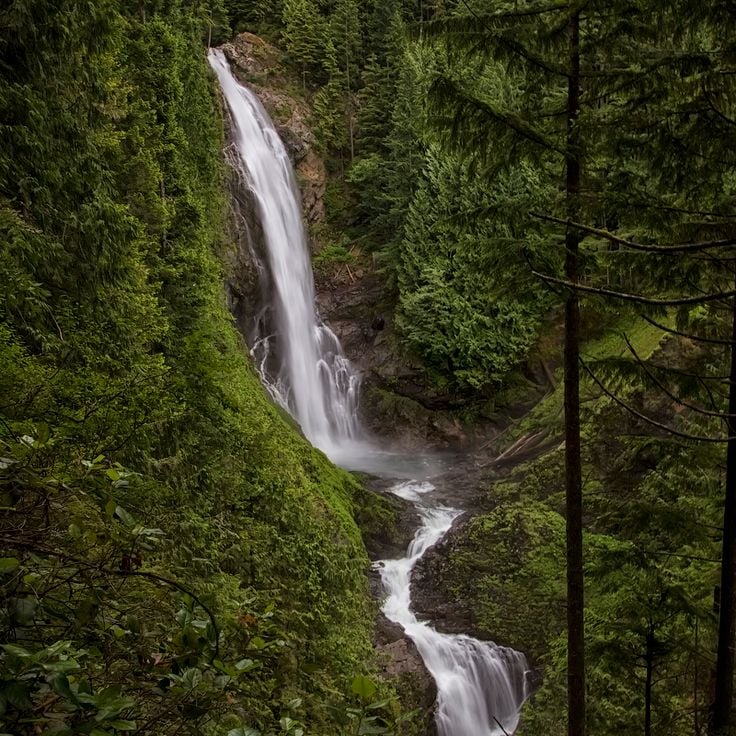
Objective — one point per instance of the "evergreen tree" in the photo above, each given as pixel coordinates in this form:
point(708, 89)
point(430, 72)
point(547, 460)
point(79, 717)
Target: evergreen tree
point(545, 45)
point(329, 108)
point(454, 310)
point(304, 36)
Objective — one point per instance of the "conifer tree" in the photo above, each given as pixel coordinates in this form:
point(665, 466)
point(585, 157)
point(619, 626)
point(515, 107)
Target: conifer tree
point(543, 44)
point(664, 138)
point(304, 36)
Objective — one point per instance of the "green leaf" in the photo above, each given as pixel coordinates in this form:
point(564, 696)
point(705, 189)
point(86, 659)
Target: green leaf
point(60, 684)
point(42, 432)
point(246, 665)
point(191, 678)
point(363, 687)
point(244, 731)
point(8, 565)
point(16, 651)
point(367, 729)
point(257, 643)
point(61, 666)
point(377, 705)
point(110, 702)
point(124, 516)
point(122, 725)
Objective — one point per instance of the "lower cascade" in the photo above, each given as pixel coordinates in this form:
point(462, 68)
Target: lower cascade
point(481, 687)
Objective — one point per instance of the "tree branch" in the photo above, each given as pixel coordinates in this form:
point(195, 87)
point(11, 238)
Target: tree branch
point(665, 249)
point(697, 338)
point(667, 392)
point(22, 544)
point(649, 420)
point(634, 297)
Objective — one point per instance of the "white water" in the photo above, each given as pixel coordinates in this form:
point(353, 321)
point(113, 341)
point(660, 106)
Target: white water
point(313, 380)
point(480, 686)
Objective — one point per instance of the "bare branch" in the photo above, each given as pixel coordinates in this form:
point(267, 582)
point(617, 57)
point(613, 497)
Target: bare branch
point(663, 249)
point(634, 297)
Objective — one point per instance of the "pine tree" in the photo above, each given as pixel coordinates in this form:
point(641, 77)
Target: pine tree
point(329, 107)
point(304, 37)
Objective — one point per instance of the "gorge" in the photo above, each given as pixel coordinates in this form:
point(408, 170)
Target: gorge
point(481, 687)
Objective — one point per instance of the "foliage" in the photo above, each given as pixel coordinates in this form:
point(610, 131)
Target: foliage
point(174, 554)
point(455, 308)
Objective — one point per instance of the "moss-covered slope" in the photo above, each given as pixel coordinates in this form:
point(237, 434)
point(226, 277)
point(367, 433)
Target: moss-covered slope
point(175, 557)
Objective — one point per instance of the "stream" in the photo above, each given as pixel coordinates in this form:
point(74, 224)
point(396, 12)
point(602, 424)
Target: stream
point(481, 687)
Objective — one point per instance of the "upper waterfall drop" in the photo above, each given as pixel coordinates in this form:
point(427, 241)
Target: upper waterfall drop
point(313, 380)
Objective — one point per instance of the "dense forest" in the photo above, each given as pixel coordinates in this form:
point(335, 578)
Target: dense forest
point(546, 193)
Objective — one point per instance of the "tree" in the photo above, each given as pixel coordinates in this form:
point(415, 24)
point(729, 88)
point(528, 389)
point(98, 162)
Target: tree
point(678, 189)
point(304, 36)
point(533, 38)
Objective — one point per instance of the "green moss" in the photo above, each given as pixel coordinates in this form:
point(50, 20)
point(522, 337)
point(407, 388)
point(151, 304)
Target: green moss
point(115, 344)
point(394, 408)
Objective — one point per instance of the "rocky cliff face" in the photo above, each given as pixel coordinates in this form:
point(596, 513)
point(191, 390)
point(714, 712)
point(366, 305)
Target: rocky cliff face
point(352, 297)
point(260, 66)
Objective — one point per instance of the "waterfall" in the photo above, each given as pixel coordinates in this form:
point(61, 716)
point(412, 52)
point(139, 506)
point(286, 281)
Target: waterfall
point(299, 357)
point(480, 686)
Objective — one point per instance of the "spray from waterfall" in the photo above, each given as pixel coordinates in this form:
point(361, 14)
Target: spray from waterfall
point(299, 357)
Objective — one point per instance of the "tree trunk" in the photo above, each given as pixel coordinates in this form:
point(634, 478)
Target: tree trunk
point(721, 721)
point(573, 474)
point(649, 660)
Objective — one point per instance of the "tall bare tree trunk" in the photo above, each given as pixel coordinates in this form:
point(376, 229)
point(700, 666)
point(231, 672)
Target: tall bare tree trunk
point(721, 723)
point(573, 474)
point(649, 661)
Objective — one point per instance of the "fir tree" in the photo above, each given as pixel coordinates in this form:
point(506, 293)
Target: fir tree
point(304, 36)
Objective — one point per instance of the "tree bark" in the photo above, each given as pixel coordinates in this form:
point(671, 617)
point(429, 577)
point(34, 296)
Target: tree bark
point(721, 723)
point(573, 474)
point(649, 660)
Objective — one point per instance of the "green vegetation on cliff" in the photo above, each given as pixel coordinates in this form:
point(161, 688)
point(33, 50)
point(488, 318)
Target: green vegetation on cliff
point(174, 557)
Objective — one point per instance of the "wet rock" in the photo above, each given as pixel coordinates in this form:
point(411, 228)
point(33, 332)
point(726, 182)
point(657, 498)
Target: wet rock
point(430, 600)
point(402, 665)
point(312, 182)
point(260, 66)
point(387, 536)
